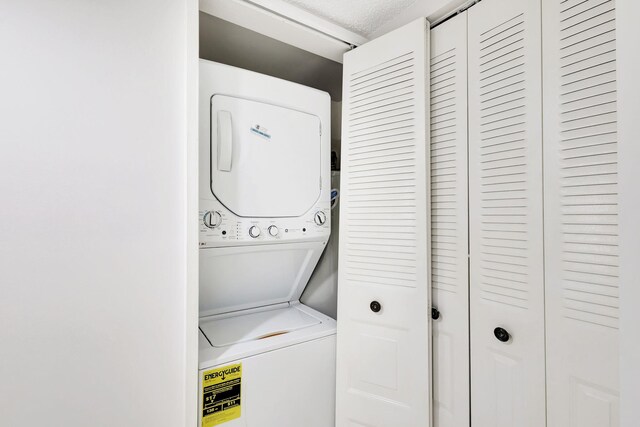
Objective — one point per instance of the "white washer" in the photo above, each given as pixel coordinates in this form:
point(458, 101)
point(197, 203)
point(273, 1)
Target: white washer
point(264, 222)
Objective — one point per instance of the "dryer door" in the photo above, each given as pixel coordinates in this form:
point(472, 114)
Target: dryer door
point(265, 159)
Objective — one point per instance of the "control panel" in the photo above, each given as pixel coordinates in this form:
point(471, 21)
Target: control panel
point(220, 227)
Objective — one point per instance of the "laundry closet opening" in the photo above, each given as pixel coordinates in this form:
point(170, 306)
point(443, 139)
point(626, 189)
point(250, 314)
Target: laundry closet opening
point(269, 160)
point(227, 43)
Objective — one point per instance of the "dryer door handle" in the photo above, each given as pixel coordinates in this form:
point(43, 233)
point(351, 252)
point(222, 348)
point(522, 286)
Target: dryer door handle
point(225, 141)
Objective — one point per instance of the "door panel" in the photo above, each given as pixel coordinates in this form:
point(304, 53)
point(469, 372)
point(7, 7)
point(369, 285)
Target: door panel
point(449, 223)
point(505, 215)
point(255, 150)
point(581, 212)
point(384, 352)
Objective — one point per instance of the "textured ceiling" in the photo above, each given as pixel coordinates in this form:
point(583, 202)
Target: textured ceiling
point(361, 16)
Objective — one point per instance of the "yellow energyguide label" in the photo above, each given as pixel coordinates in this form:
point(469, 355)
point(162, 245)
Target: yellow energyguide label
point(221, 398)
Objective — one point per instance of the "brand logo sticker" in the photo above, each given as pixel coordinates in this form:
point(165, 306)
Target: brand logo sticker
point(261, 131)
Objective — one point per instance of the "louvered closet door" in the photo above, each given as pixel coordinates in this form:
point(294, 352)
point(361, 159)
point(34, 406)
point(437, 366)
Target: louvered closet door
point(505, 215)
point(449, 218)
point(581, 212)
point(383, 366)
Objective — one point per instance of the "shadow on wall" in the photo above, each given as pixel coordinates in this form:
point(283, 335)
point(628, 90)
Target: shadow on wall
point(250, 50)
point(321, 292)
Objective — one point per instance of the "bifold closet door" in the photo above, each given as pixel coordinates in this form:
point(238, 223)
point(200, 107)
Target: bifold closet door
point(449, 219)
point(384, 339)
point(581, 212)
point(505, 215)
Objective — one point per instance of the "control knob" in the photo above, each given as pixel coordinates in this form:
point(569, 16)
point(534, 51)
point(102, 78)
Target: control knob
point(254, 231)
point(273, 230)
point(212, 219)
point(320, 218)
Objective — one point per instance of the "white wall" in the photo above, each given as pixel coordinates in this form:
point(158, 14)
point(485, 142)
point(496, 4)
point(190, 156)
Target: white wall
point(93, 213)
point(628, 36)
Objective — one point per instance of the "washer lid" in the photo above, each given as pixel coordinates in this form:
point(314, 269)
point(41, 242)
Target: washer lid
point(244, 277)
point(226, 331)
point(265, 159)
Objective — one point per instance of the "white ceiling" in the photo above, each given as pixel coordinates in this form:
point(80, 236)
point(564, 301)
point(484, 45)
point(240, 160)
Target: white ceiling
point(364, 17)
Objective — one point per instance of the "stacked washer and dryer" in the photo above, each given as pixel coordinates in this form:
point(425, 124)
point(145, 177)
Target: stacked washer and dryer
point(265, 359)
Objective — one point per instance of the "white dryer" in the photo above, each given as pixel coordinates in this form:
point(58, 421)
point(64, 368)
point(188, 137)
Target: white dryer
point(265, 359)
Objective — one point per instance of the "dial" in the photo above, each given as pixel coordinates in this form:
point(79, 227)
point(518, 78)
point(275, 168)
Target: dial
point(212, 219)
point(254, 231)
point(273, 230)
point(320, 218)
